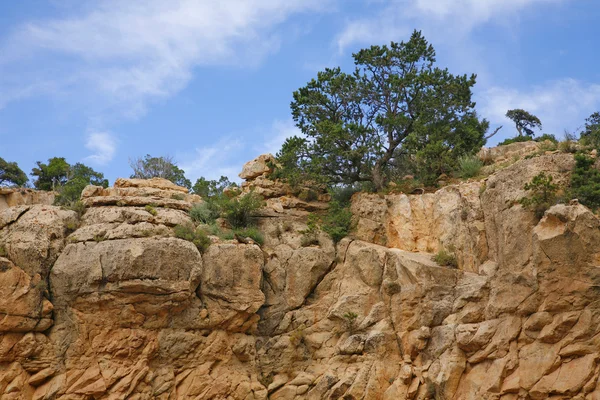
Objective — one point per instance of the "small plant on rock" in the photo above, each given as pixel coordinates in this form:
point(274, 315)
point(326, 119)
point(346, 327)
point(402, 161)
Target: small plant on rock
point(469, 166)
point(192, 234)
point(350, 321)
point(3, 252)
point(76, 206)
point(252, 233)
point(178, 196)
point(151, 209)
point(99, 238)
point(542, 194)
point(446, 259)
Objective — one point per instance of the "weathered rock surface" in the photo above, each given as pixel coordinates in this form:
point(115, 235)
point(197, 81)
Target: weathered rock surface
point(112, 306)
point(13, 197)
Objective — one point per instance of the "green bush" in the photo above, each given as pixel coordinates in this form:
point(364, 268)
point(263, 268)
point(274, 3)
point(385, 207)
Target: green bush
point(517, 139)
point(151, 209)
point(3, 252)
point(251, 232)
point(178, 196)
point(469, 166)
point(543, 194)
point(240, 211)
point(337, 222)
point(206, 212)
point(445, 259)
point(192, 234)
point(585, 182)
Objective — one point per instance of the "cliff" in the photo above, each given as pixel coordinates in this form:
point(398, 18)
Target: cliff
point(110, 305)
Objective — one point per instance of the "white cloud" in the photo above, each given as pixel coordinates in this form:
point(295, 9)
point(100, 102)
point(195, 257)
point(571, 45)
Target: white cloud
point(118, 55)
point(280, 131)
point(561, 104)
point(103, 145)
point(213, 161)
point(449, 19)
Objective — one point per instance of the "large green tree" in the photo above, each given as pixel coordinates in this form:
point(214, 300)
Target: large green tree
point(591, 131)
point(396, 101)
point(66, 179)
point(159, 167)
point(525, 122)
point(11, 174)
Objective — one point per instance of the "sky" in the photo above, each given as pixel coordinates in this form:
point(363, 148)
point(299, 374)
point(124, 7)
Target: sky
point(209, 82)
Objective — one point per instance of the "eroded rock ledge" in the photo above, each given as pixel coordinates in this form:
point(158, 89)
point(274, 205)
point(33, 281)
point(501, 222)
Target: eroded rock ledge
point(113, 306)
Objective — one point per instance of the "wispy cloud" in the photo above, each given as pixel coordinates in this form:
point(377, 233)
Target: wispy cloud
point(103, 145)
point(280, 131)
point(215, 160)
point(450, 19)
point(114, 56)
point(561, 104)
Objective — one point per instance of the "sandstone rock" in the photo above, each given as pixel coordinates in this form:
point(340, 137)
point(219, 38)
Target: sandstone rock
point(33, 236)
point(257, 167)
point(10, 197)
point(23, 307)
point(154, 183)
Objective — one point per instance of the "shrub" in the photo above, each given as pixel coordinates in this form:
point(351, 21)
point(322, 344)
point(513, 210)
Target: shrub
point(337, 222)
point(308, 195)
point(76, 206)
point(469, 166)
point(516, 139)
point(151, 209)
point(585, 182)
point(195, 235)
point(99, 238)
point(71, 226)
point(178, 196)
point(542, 194)
point(252, 233)
point(445, 259)
point(240, 210)
point(350, 321)
point(545, 137)
point(3, 252)
point(205, 213)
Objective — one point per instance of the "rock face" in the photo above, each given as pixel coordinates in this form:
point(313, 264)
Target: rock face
point(17, 197)
point(112, 306)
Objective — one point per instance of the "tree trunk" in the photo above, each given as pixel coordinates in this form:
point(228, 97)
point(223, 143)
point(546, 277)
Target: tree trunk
point(378, 179)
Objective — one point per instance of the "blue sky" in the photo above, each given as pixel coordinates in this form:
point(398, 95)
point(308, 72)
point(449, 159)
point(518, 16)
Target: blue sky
point(209, 82)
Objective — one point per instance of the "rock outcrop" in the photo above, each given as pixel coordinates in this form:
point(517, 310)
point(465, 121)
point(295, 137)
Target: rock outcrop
point(113, 306)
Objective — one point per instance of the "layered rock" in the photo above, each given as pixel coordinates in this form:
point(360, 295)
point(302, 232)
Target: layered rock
point(13, 197)
point(113, 306)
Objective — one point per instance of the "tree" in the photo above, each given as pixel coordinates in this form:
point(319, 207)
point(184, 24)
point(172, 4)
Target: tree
point(68, 180)
point(159, 167)
point(356, 125)
point(524, 121)
point(591, 131)
point(11, 174)
point(206, 188)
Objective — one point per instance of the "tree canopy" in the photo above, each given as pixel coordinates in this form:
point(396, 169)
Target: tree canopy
point(11, 174)
point(68, 180)
point(591, 130)
point(396, 103)
point(210, 188)
point(159, 167)
point(524, 121)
